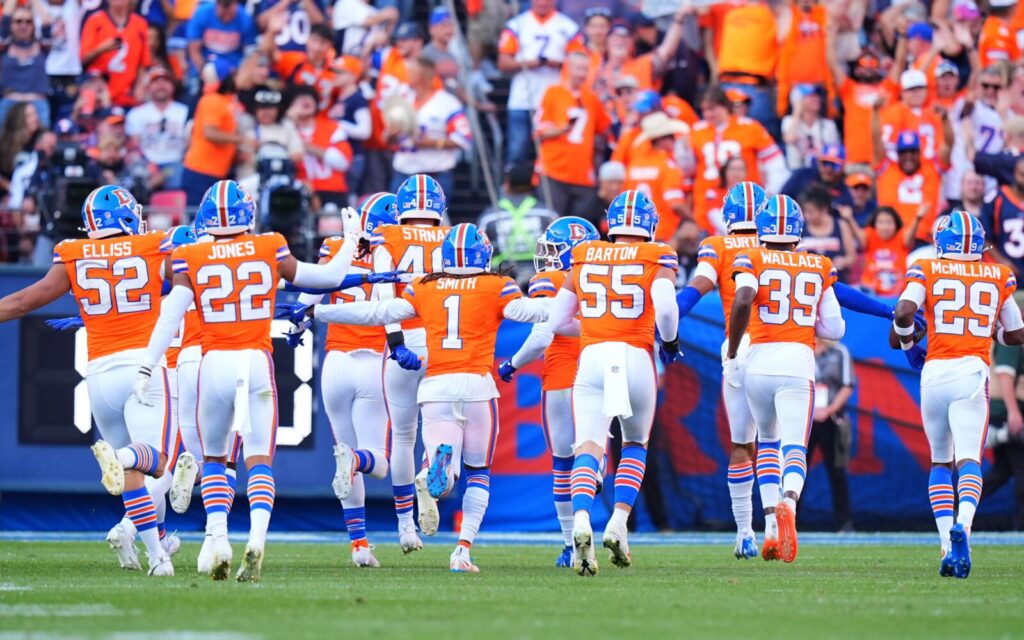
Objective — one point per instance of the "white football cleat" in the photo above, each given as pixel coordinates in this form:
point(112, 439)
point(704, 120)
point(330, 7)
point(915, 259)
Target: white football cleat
point(171, 544)
point(430, 518)
point(161, 566)
point(461, 562)
point(251, 564)
point(616, 541)
point(584, 560)
point(124, 545)
point(204, 564)
point(110, 467)
point(345, 460)
point(185, 473)
point(362, 555)
point(220, 566)
point(410, 540)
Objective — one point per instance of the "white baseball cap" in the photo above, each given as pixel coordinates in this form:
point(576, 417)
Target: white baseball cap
point(913, 79)
point(1001, 4)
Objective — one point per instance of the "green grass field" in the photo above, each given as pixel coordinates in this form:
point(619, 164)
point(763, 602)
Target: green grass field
point(52, 589)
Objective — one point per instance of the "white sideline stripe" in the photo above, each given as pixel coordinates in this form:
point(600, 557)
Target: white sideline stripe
point(10, 586)
point(551, 538)
point(58, 610)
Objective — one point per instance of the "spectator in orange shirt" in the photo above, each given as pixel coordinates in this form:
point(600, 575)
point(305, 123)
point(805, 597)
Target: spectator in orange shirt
point(644, 103)
point(802, 54)
point(215, 135)
point(311, 67)
point(884, 248)
point(656, 174)
point(997, 41)
point(947, 84)
point(747, 57)
point(621, 59)
point(115, 43)
point(569, 120)
point(912, 114)
point(922, 54)
point(327, 154)
point(733, 172)
point(858, 93)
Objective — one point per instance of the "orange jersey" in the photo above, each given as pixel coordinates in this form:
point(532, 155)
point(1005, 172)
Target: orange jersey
point(189, 335)
point(294, 67)
point(899, 117)
point(344, 337)
point(857, 98)
point(117, 284)
point(719, 253)
point(748, 44)
point(997, 42)
point(885, 262)
point(235, 284)
point(707, 210)
point(790, 286)
point(802, 54)
point(613, 284)
point(907, 193)
point(679, 109)
point(326, 134)
point(461, 316)
point(561, 356)
point(712, 148)
point(570, 157)
point(657, 176)
point(413, 249)
point(961, 303)
point(121, 66)
point(713, 18)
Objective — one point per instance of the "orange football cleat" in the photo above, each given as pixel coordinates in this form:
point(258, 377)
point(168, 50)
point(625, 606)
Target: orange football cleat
point(770, 550)
point(786, 517)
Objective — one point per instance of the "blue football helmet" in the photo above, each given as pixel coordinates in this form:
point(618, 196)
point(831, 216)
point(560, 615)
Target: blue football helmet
point(554, 248)
point(226, 209)
point(377, 210)
point(182, 235)
point(632, 213)
point(741, 205)
point(465, 250)
point(420, 196)
point(960, 236)
point(647, 101)
point(781, 220)
point(111, 210)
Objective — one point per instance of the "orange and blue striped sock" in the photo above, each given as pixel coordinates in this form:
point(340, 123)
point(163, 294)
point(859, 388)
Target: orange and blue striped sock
point(769, 474)
point(630, 474)
point(141, 457)
point(365, 462)
point(232, 477)
point(138, 506)
point(261, 492)
point(583, 482)
point(355, 522)
point(403, 503)
point(940, 493)
point(794, 469)
point(968, 491)
point(474, 503)
point(217, 497)
point(561, 472)
point(741, 486)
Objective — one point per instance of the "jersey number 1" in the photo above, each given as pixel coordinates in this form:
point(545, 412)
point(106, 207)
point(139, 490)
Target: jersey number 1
point(451, 340)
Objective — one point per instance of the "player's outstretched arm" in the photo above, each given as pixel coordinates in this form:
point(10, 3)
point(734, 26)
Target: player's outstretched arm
point(830, 324)
point(563, 308)
point(901, 336)
point(532, 348)
point(329, 275)
point(666, 314)
point(365, 313)
point(1011, 327)
point(172, 311)
point(692, 293)
point(855, 300)
point(39, 294)
point(530, 310)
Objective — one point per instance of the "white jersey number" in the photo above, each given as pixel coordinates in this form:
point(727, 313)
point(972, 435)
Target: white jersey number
point(981, 298)
point(452, 304)
point(413, 260)
point(791, 297)
point(258, 281)
point(611, 292)
point(131, 276)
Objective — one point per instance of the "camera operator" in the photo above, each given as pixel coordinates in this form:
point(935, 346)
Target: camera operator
point(1006, 424)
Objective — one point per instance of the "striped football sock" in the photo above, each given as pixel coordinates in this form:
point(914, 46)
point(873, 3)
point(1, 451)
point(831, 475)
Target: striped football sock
point(140, 457)
point(355, 522)
point(968, 491)
point(940, 493)
point(561, 471)
point(261, 493)
point(365, 462)
point(232, 476)
point(769, 475)
point(741, 487)
point(403, 504)
point(794, 470)
point(583, 482)
point(630, 474)
point(474, 503)
point(217, 497)
point(138, 506)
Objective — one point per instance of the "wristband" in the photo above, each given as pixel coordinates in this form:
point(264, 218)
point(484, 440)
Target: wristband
point(906, 346)
point(395, 340)
point(903, 331)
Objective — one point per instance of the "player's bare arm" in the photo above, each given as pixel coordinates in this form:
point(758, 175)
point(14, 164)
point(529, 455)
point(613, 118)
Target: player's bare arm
point(53, 285)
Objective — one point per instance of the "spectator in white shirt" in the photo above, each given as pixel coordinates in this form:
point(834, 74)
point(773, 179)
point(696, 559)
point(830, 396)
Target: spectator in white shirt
point(357, 24)
point(157, 127)
point(806, 132)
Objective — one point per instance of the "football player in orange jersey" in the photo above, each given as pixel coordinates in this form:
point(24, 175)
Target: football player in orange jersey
point(622, 290)
point(553, 260)
point(967, 303)
point(116, 277)
point(740, 207)
point(461, 309)
point(232, 281)
point(351, 387)
point(413, 245)
point(793, 297)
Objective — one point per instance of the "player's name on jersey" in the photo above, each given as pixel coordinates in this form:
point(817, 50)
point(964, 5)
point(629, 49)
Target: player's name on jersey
point(604, 254)
point(423, 234)
point(457, 283)
point(969, 269)
point(740, 242)
point(787, 259)
point(233, 250)
point(115, 250)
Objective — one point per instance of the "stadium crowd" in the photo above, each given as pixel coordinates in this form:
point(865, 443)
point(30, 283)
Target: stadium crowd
point(876, 117)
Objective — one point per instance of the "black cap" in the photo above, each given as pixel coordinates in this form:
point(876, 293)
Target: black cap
point(408, 31)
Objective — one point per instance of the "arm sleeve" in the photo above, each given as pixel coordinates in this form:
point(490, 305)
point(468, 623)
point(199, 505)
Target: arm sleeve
point(915, 293)
point(747, 280)
point(534, 345)
point(527, 310)
point(365, 313)
point(666, 311)
point(852, 299)
point(1009, 316)
point(830, 324)
point(309, 299)
point(325, 276)
point(361, 128)
point(172, 312)
point(562, 309)
point(688, 297)
point(382, 261)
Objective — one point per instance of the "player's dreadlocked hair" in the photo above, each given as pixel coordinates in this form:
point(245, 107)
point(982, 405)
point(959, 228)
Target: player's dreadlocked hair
point(437, 275)
point(363, 248)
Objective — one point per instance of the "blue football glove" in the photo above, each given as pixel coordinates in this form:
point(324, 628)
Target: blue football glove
point(386, 277)
point(506, 371)
point(294, 335)
point(293, 312)
point(669, 352)
point(919, 322)
point(405, 358)
point(63, 324)
point(915, 356)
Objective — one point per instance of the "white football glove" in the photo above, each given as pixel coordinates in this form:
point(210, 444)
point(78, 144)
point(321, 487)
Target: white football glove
point(140, 388)
point(351, 224)
point(732, 371)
